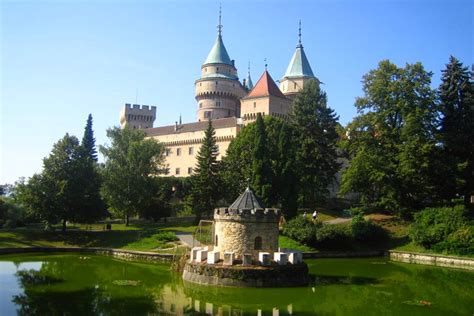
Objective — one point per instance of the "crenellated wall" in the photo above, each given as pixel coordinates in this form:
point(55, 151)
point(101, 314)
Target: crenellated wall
point(237, 231)
point(137, 116)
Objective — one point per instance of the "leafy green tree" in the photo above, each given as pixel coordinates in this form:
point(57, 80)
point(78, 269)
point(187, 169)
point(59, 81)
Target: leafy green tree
point(131, 164)
point(314, 125)
point(205, 181)
point(261, 170)
point(456, 98)
point(391, 142)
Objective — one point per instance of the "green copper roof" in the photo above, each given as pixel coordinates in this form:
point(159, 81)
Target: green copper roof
point(218, 53)
point(299, 64)
point(248, 82)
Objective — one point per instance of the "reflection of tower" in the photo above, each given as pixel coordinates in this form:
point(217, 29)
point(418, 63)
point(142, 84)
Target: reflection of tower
point(298, 72)
point(137, 117)
point(219, 90)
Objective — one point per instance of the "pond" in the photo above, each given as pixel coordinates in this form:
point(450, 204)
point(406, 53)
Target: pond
point(84, 284)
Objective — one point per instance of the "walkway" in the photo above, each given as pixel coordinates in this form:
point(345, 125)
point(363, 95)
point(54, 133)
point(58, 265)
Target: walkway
point(338, 220)
point(187, 239)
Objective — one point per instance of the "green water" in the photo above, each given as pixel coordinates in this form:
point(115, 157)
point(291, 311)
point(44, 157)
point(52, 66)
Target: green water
point(81, 284)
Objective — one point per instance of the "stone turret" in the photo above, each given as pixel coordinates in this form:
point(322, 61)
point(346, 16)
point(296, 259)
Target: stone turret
point(137, 117)
point(246, 227)
point(298, 72)
point(218, 90)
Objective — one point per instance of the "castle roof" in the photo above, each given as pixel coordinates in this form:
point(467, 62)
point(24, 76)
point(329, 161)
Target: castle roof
point(299, 64)
point(248, 82)
point(218, 53)
point(246, 201)
point(191, 127)
point(265, 87)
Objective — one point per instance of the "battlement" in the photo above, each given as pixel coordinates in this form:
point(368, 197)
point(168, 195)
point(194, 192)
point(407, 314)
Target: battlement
point(129, 106)
point(137, 116)
point(260, 214)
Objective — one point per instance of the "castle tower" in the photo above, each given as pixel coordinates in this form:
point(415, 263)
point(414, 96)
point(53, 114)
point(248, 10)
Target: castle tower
point(246, 227)
point(298, 72)
point(266, 99)
point(137, 117)
point(248, 84)
point(218, 90)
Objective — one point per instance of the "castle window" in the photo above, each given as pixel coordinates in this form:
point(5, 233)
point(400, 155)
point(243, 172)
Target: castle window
point(254, 105)
point(178, 151)
point(190, 170)
point(205, 69)
point(167, 152)
point(295, 85)
point(258, 243)
point(217, 242)
point(177, 171)
point(216, 83)
point(191, 150)
point(207, 114)
point(217, 69)
point(218, 103)
point(200, 105)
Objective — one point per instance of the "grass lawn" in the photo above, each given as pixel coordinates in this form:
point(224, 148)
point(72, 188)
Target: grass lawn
point(137, 236)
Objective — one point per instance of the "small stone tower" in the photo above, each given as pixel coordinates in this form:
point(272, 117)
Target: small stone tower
point(137, 117)
point(219, 90)
point(246, 227)
point(298, 72)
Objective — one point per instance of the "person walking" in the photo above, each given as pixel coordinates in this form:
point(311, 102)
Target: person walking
point(315, 215)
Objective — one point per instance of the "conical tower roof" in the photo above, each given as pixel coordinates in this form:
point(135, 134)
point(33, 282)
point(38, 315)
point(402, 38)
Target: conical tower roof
point(246, 201)
point(218, 53)
point(248, 82)
point(265, 87)
point(299, 65)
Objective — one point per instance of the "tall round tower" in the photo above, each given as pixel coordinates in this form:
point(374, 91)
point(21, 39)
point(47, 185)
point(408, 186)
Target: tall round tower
point(218, 90)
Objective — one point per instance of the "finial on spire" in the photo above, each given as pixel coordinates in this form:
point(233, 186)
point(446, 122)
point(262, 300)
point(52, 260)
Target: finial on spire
point(299, 34)
point(248, 68)
point(180, 119)
point(266, 65)
point(219, 27)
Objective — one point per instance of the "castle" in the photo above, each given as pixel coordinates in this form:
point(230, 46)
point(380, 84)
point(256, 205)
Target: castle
point(224, 99)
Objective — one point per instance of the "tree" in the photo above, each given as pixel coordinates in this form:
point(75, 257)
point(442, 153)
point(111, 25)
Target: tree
point(314, 125)
point(205, 183)
point(92, 206)
point(261, 170)
point(456, 98)
point(391, 142)
point(131, 164)
point(88, 140)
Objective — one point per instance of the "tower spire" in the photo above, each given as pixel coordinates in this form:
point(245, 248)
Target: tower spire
point(299, 35)
point(219, 26)
point(248, 68)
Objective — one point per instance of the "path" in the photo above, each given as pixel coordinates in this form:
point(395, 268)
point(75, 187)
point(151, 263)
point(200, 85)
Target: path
point(338, 220)
point(187, 239)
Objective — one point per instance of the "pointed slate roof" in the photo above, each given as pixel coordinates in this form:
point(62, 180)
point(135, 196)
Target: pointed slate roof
point(246, 201)
point(218, 53)
point(248, 82)
point(299, 64)
point(265, 87)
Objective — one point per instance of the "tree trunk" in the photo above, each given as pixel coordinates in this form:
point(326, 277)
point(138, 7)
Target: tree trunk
point(64, 225)
point(127, 219)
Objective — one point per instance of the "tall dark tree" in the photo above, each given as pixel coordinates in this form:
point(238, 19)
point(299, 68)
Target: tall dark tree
point(456, 96)
point(205, 183)
point(391, 142)
point(315, 125)
point(131, 166)
point(88, 140)
point(92, 205)
point(261, 169)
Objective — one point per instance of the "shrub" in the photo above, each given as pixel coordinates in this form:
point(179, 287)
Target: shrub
point(332, 235)
point(11, 215)
point(363, 230)
point(460, 241)
point(433, 225)
point(301, 229)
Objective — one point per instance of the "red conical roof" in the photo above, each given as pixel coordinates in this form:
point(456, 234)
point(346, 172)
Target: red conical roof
point(265, 87)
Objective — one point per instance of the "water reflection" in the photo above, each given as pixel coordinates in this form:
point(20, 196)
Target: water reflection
point(70, 284)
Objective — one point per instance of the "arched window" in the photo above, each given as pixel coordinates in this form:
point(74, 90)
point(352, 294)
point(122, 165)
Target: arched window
point(217, 243)
point(258, 243)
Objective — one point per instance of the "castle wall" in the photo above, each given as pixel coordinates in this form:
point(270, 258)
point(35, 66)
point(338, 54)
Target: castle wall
point(236, 232)
point(269, 105)
point(183, 147)
point(137, 116)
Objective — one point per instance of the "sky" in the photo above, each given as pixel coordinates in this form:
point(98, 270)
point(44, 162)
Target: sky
point(61, 60)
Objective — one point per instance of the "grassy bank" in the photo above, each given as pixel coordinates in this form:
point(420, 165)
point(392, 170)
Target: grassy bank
point(140, 236)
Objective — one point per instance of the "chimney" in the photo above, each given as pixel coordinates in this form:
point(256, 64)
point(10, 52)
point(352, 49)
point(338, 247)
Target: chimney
point(175, 126)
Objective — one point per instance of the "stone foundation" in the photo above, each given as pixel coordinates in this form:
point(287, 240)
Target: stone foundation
point(291, 275)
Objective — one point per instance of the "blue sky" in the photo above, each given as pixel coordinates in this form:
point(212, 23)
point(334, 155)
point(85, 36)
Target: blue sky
point(61, 60)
